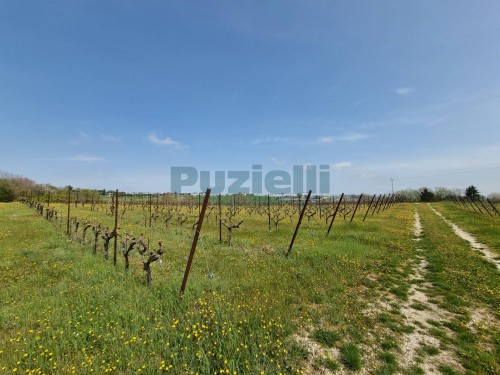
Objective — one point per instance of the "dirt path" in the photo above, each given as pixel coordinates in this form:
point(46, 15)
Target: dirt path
point(417, 312)
point(492, 257)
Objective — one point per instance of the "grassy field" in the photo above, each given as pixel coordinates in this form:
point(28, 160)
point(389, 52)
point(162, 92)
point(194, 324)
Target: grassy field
point(336, 305)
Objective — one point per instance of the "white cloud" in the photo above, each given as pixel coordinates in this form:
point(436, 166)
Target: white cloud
point(167, 141)
point(79, 158)
point(404, 90)
point(352, 137)
point(110, 138)
point(342, 165)
point(85, 158)
point(278, 161)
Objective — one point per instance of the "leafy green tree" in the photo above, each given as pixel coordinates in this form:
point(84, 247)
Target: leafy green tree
point(427, 195)
point(7, 193)
point(472, 192)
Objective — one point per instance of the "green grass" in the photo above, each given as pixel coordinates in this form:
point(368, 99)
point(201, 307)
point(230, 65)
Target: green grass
point(326, 337)
point(351, 356)
point(484, 227)
point(64, 309)
point(463, 280)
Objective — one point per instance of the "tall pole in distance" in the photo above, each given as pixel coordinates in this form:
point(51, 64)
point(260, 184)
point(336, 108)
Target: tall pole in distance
point(298, 223)
point(195, 242)
point(116, 225)
point(69, 209)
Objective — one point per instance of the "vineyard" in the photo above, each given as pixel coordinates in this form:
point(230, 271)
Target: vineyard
point(277, 285)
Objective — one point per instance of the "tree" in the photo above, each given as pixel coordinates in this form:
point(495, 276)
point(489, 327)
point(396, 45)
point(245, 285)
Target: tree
point(7, 193)
point(427, 195)
point(472, 192)
point(495, 197)
point(411, 195)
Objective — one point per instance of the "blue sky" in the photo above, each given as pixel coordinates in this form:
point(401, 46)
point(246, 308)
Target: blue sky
point(113, 93)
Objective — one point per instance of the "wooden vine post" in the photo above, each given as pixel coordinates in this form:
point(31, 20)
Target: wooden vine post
point(69, 209)
point(195, 242)
point(298, 223)
point(220, 221)
point(357, 204)
point(335, 214)
point(116, 226)
point(369, 206)
point(269, 211)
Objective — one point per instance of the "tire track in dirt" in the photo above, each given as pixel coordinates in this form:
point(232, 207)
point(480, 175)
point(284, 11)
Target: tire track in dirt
point(489, 255)
point(419, 318)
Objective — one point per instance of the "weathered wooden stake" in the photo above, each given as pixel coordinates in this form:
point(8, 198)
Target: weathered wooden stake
point(484, 207)
point(335, 214)
point(69, 208)
point(298, 224)
point(220, 222)
point(116, 225)
point(195, 242)
point(381, 203)
point(493, 206)
point(355, 209)
point(368, 210)
point(269, 211)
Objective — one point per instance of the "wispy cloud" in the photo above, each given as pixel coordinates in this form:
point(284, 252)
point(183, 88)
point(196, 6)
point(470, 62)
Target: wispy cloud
point(278, 161)
point(341, 165)
point(78, 158)
point(86, 158)
point(272, 140)
point(335, 138)
point(167, 141)
point(309, 141)
point(81, 137)
point(110, 138)
point(404, 90)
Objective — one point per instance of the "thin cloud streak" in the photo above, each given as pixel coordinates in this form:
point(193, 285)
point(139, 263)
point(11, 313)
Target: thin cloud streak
point(404, 90)
point(167, 141)
point(78, 158)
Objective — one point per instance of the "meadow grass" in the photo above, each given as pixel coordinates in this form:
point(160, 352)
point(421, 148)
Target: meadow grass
point(464, 282)
point(65, 310)
point(484, 227)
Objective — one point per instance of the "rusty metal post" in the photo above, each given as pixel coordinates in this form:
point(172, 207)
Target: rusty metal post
point(461, 200)
point(493, 206)
point(69, 209)
point(475, 204)
point(269, 211)
point(220, 222)
point(467, 199)
point(376, 203)
point(368, 210)
point(381, 203)
point(356, 208)
point(116, 226)
point(150, 210)
point(195, 242)
point(298, 223)
point(481, 202)
point(335, 214)
point(389, 197)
